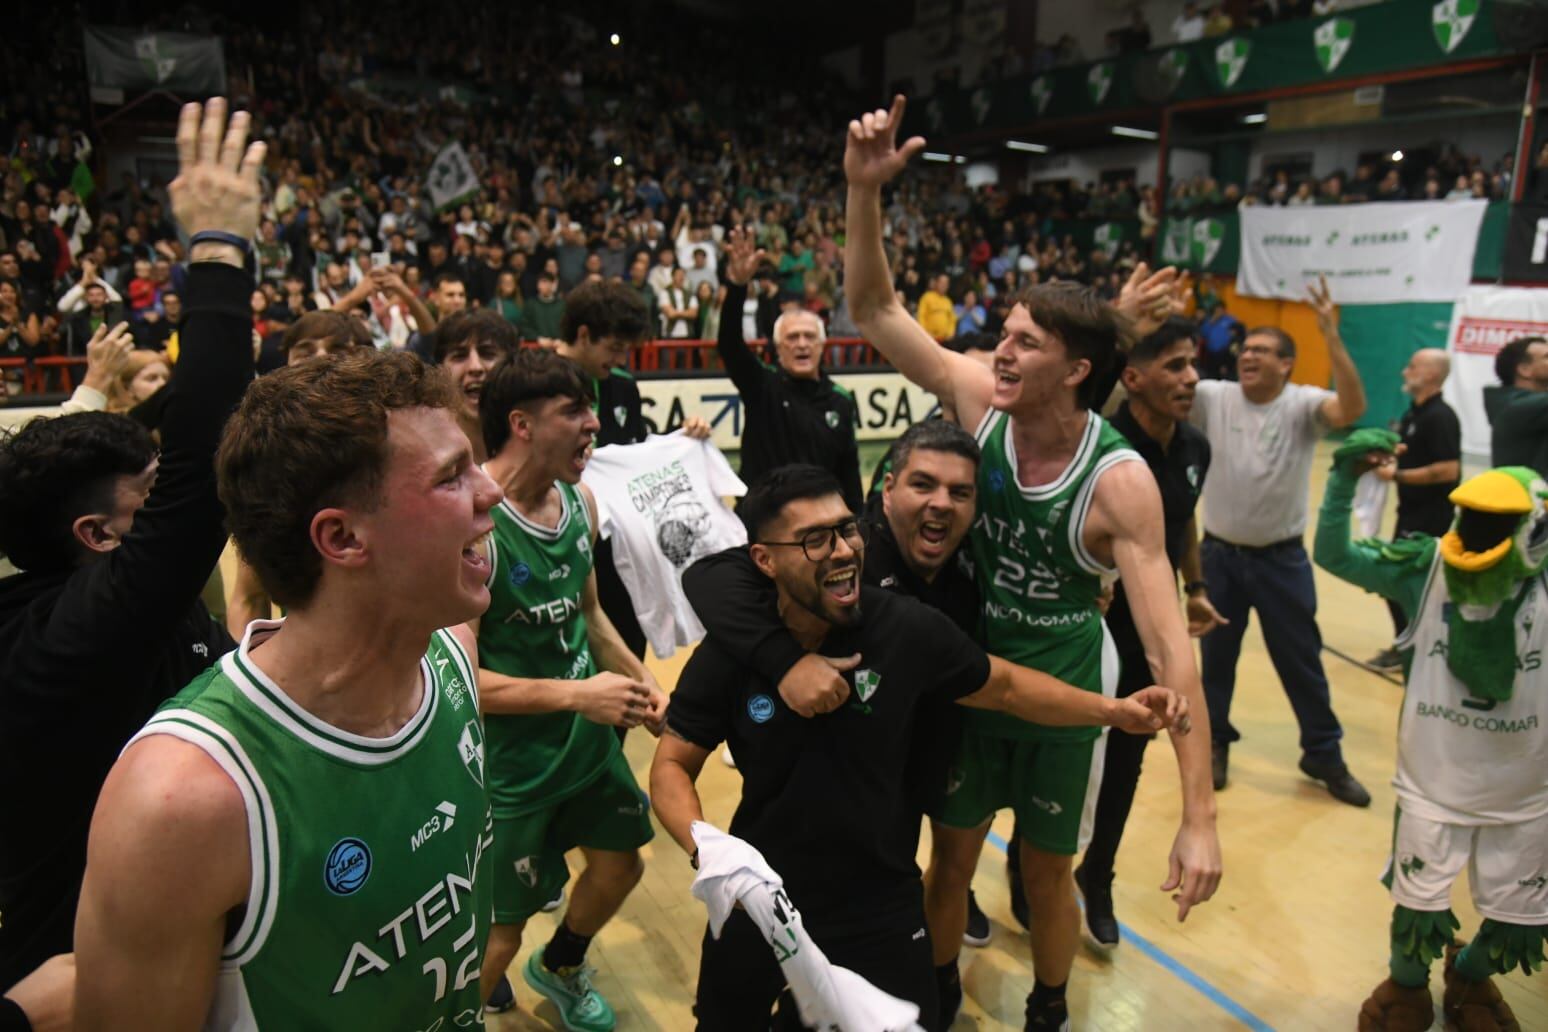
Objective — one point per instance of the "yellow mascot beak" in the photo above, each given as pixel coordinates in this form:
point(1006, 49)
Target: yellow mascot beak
point(1492, 492)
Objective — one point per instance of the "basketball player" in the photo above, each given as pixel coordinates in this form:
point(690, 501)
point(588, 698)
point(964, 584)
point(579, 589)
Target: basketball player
point(558, 778)
point(300, 838)
point(1062, 502)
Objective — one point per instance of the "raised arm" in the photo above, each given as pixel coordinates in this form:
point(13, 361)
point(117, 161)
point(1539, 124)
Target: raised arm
point(1348, 401)
point(1126, 511)
point(872, 157)
point(167, 862)
point(122, 603)
point(742, 259)
point(1395, 570)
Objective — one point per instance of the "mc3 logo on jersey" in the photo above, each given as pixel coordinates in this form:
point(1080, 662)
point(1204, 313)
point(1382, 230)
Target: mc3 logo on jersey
point(521, 573)
point(760, 708)
point(347, 867)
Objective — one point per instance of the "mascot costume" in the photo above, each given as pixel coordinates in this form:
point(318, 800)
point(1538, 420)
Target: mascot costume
point(1472, 769)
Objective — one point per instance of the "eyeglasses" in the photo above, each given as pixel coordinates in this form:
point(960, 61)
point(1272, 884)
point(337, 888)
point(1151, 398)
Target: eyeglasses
point(817, 544)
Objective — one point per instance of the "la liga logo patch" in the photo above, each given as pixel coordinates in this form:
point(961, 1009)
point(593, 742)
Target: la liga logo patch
point(347, 867)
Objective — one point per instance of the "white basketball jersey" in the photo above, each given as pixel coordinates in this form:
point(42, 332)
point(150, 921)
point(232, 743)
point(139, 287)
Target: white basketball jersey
point(1470, 761)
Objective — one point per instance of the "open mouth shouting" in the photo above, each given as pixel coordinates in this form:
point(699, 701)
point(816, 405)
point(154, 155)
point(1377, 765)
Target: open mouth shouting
point(475, 555)
point(842, 586)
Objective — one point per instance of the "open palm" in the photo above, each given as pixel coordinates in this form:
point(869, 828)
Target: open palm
point(871, 153)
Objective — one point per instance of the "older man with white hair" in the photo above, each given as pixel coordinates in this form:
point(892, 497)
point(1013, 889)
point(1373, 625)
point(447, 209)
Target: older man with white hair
point(793, 412)
point(1426, 469)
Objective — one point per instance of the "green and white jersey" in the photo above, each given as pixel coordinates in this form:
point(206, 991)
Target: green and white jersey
point(535, 627)
point(1038, 583)
point(1472, 761)
point(370, 886)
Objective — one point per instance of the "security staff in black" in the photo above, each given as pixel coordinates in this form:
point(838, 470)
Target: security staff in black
point(1430, 466)
point(1159, 377)
point(793, 412)
point(825, 798)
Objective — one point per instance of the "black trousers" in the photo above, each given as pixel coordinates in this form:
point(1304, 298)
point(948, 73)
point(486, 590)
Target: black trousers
point(1434, 525)
point(614, 598)
point(1120, 778)
point(740, 981)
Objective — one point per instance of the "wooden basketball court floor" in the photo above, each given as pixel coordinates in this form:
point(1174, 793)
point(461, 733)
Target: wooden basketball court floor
point(1294, 940)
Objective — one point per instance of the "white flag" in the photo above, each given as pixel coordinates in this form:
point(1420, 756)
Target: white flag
point(451, 177)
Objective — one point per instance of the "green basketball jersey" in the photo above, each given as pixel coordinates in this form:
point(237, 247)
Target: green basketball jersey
point(1038, 583)
point(534, 627)
point(370, 897)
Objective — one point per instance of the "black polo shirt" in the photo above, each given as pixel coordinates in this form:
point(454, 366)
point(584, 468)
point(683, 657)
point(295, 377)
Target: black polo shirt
point(1433, 434)
point(1179, 469)
point(824, 799)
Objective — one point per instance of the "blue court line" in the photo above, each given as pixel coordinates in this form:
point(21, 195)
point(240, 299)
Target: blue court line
point(1181, 970)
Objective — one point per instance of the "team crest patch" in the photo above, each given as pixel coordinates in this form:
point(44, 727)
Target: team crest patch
point(620, 414)
point(832, 418)
point(347, 867)
point(866, 683)
point(470, 746)
point(526, 871)
point(760, 708)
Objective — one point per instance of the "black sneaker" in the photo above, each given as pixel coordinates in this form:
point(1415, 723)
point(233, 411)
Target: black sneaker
point(948, 995)
point(1219, 758)
point(1018, 890)
point(555, 903)
point(977, 931)
point(502, 999)
point(1049, 1017)
point(1100, 920)
point(1388, 661)
point(1341, 784)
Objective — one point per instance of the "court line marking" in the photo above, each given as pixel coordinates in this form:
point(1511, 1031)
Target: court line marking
point(1179, 969)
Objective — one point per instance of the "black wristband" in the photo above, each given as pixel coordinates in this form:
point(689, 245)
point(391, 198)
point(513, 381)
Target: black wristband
point(220, 236)
point(693, 859)
point(1195, 585)
point(12, 1017)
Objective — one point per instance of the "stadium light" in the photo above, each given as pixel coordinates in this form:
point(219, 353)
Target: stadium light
point(613, 39)
point(1135, 134)
point(1030, 148)
point(1397, 155)
point(1256, 118)
point(617, 159)
point(948, 158)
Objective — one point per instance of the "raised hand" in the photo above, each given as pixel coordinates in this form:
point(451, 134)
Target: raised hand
point(107, 353)
point(1148, 299)
point(743, 256)
point(871, 152)
point(217, 178)
point(1321, 301)
point(697, 427)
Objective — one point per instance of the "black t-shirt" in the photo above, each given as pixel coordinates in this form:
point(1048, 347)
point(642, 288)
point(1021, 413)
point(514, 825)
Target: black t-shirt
point(1179, 469)
point(1433, 434)
point(825, 798)
point(618, 409)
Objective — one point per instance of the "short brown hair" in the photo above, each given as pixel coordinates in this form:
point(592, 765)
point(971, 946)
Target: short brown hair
point(1087, 326)
point(308, 437)
point(328, 324)
point(1284, 344)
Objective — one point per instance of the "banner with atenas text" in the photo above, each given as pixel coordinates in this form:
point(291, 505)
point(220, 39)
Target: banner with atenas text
point(1370, 253)
point(1482, 322)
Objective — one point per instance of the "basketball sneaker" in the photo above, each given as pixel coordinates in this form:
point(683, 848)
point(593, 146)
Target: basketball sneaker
point(502, 999)
point(1101, 922)
point(977, 932)
point(581, 1007)
point(555, 903)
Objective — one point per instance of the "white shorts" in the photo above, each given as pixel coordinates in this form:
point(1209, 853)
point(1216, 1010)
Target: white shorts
point(1507, 867)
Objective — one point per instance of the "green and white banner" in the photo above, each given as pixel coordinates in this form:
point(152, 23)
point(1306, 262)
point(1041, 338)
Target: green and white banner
point(137, 62)
point(1203, 243)
point(1370, 253)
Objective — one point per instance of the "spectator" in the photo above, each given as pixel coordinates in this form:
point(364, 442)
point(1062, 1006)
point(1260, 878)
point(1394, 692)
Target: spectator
point(679, 308)
point(1218, 21)
point(793, 267)
point(99, 310)
point(543, 315)
point(1518, 407)
point(936, 312)
point(971, 316)
point(701, 272)
point(1391, 187)
point(507, 297)
point(1135, 36)
point(660, 276)
point(1188, 27)
point(1221, 335)
point(145, 373)
point(158, 331)
point(104, 624)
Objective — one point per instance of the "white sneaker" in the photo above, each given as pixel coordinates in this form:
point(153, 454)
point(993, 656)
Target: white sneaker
point(555, 903)
point(726, 757)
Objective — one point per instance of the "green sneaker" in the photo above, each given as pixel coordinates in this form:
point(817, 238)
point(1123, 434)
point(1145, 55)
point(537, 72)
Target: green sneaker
point(581, 1007)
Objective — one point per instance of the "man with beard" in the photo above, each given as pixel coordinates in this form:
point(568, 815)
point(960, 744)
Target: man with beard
point(557, 775)
point(826, 799)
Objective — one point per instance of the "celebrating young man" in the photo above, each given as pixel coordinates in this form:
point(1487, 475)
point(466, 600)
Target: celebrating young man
point(557, 775)
point(1063, 503)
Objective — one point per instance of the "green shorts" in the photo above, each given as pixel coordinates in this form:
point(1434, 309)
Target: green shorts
point(1051, 785)
point(529, 869)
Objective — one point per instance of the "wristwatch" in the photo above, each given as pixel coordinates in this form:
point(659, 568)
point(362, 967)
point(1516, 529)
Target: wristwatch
point(1193, 587)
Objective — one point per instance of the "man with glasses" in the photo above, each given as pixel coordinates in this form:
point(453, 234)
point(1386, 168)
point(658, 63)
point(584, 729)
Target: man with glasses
point(825, 799)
